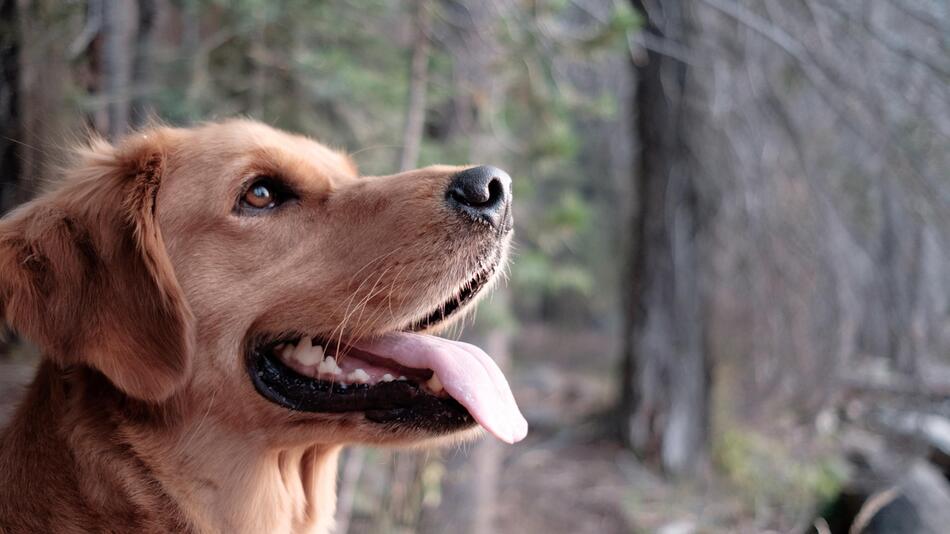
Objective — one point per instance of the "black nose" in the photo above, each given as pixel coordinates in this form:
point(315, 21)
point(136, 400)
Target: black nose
point(482, 194)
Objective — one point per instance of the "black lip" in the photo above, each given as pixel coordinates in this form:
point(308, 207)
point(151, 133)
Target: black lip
point(399, 402)
point(457, 302)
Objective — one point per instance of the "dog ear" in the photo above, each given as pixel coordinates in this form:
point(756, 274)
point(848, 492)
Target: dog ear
point(84, 272)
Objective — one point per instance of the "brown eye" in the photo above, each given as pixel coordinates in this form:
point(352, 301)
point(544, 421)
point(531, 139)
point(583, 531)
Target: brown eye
point(259, 196)
point(264, 194)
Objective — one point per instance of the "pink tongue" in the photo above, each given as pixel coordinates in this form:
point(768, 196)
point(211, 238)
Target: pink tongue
point(468, 374)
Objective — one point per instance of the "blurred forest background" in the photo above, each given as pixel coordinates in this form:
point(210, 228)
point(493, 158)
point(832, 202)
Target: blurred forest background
point(729, 308)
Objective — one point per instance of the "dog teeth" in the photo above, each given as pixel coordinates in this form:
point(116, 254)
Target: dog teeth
point(434, 384)
point(311, 356)
point(308, 355)
point(329, 366)
point(300, 351)
point(358, 375)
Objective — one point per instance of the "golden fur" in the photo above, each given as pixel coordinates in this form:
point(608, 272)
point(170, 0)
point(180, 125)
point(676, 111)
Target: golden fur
point(141, 285)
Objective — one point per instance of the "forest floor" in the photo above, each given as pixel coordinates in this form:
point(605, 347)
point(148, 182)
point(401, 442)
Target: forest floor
point(570, 474)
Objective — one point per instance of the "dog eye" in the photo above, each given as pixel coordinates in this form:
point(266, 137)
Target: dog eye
point(264, 194)
point(259, 196)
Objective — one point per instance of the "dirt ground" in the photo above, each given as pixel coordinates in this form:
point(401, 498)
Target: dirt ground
point(570, 475)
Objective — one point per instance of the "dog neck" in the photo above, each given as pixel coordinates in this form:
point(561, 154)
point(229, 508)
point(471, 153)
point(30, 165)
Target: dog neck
point(232, 485)
point(112, 464)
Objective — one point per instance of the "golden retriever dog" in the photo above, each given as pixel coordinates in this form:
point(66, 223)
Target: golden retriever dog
point(220, 309)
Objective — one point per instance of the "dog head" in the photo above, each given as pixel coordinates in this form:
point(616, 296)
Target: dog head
point(255, 275)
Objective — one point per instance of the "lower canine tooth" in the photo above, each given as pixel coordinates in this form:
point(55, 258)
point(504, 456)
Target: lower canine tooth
point(358, 375)
point(434, 384)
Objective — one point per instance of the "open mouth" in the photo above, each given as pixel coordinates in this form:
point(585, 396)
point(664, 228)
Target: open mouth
point(402, 378)
point(305, 377)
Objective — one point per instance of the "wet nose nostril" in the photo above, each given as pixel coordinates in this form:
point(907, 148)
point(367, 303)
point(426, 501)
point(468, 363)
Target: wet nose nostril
point(496, 191)
point(479, 196)
point(470, 198)
point(481, 193)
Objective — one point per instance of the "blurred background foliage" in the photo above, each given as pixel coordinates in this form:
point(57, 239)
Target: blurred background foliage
point(728, 308)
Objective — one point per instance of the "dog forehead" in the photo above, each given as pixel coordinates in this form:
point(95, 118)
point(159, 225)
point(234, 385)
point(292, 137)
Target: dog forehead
point(249, 138)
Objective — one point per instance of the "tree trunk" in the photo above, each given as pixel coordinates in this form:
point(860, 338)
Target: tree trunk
point(488, 453)
point(258, 73)
point(418, 80)
point(10, 121)
point(141, 66)
point(350, 470)
point(900, 265)
point(115, 66)
point(664, 413)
